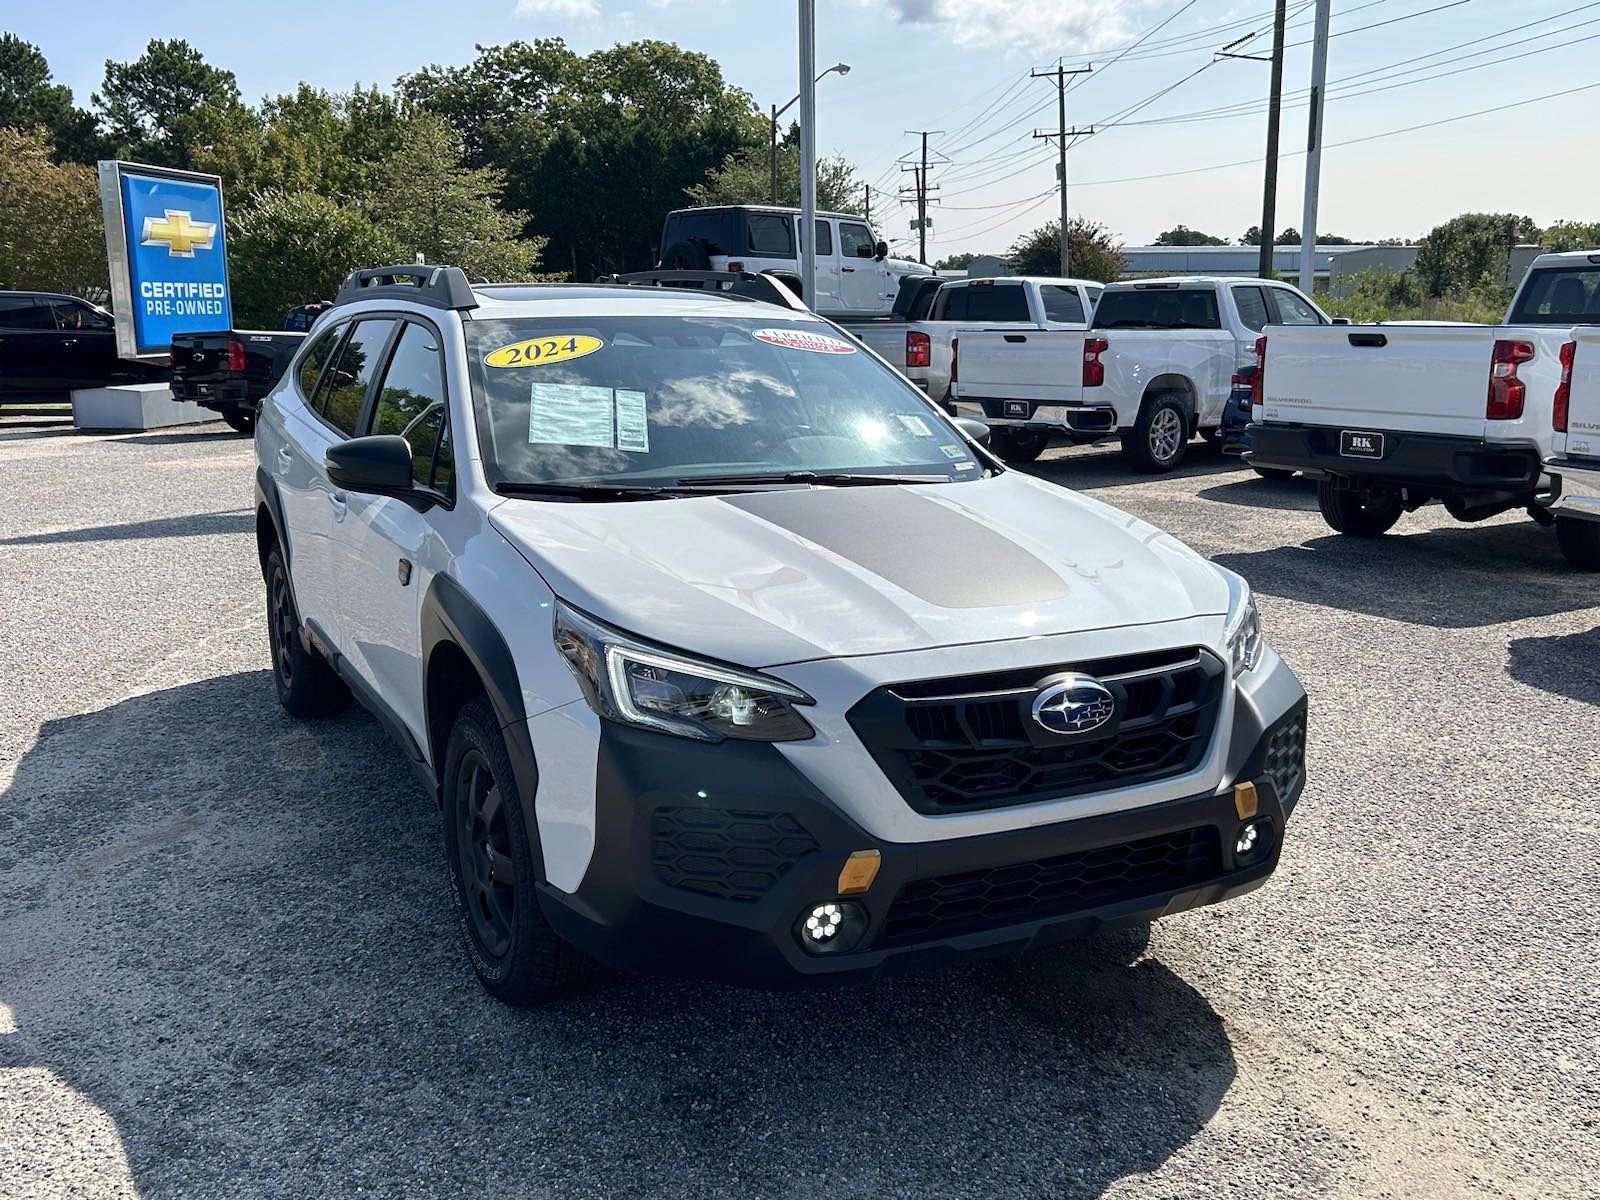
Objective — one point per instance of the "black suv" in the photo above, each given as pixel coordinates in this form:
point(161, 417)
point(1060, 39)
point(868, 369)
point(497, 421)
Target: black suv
point(51, 344)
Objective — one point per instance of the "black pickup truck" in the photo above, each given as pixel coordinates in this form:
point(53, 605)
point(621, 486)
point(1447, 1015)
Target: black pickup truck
point(230, 371)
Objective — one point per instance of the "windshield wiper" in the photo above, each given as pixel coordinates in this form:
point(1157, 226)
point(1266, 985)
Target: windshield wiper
point(582, 491)
point(820, 478)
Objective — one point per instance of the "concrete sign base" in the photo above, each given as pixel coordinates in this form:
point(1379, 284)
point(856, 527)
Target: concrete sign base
point(134, 406)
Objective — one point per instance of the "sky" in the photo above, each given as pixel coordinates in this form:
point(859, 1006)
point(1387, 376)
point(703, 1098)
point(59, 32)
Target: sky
point(962, 69)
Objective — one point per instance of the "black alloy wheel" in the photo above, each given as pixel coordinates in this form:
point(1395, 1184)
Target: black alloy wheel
point(483, 851)
point(307, 686)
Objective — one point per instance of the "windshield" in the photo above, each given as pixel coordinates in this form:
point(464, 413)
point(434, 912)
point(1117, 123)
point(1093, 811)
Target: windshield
point(1559, 296)
point(655, 400)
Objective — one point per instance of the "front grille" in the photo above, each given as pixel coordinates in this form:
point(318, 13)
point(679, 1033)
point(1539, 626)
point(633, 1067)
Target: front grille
point(968, 744)
point(726, 853)
point(1051, 887)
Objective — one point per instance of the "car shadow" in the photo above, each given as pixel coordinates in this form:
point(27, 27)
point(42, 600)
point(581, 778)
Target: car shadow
point(198, 525)
point(229, 932)
point(210, 431)
point(1103, 466)
point(1288, 495)
point(1567, 665)
point(1455, 577)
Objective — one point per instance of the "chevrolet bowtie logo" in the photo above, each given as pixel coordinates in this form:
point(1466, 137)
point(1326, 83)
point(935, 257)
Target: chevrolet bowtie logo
point(179, 233)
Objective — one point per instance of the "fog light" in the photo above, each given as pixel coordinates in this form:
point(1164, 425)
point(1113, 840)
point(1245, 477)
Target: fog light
point(831, 927)
point(1253, 842)
point(1247, 840)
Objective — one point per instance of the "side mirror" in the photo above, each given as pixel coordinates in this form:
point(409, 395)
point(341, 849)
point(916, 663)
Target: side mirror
point(974, 429)
point(882, 249)
point(1340, 320)
point(379, 465)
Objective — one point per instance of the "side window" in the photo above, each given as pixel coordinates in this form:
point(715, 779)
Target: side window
point(1292, 310)
point(771, 235)
point(855, 241)
point(74, 314)
point(345, 383)
point(315, 358)
point(1061, 303)
point(1252, 308)
point(411, 399)
point(20, 312)
point(824, 236)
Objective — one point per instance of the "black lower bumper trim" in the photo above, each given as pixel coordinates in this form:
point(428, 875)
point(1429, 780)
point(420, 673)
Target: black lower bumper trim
point(1436, 464)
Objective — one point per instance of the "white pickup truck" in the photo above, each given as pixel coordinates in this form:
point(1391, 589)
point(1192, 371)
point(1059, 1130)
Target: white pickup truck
point(920, 349)
point(1574, 462)
point(1390, 417)
point(1156, 367)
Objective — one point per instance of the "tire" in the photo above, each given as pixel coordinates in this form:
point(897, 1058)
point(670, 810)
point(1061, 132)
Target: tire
point(516, 955)
point(1273, 472)
point(685, 256)
point(1579, 541)
point(241, 419)
point(1019, 446)
point(1156, 442)
point(307, 685)
point(1357, 514)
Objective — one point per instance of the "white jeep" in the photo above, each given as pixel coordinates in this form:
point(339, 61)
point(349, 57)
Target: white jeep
point(726, 653)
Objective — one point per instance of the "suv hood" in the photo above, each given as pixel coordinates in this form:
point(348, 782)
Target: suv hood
point(761, 579)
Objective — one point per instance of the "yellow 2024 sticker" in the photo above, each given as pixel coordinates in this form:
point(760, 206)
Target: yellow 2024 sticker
point(538, 352)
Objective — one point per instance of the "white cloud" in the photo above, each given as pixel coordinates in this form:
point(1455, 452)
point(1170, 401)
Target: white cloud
point(1044, 27)
point(582, 10)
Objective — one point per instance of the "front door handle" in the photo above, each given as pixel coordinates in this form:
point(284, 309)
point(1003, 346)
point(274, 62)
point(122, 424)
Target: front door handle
point(340, 505)
point(848, 269)
point(69, 341)
point(285, 460)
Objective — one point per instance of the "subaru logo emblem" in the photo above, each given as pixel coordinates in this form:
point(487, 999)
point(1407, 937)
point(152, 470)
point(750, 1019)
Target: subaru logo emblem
point(1074, 705)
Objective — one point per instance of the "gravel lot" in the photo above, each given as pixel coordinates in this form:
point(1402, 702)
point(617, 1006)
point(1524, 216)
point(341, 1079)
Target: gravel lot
point(227, 969)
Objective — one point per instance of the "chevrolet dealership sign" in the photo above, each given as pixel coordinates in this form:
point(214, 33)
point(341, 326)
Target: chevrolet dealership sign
point(168, 255)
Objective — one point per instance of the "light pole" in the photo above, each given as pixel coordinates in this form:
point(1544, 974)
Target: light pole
point(772, 194)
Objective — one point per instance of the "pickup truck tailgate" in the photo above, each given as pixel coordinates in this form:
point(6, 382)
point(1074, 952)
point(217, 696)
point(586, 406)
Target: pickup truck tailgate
point(1420, 378)
point(1583, 408)
point(1040, 365)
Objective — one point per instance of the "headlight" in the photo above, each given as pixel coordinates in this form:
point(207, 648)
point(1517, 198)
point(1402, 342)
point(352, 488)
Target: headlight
point(1244, 624)
point(638, 684)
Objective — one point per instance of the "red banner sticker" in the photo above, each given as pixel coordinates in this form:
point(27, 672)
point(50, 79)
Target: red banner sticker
point(801, 339)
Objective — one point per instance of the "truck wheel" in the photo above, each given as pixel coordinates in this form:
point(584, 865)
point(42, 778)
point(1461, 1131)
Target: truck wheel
point(1579, 541)
point(1359, 514)
point(1155, 444)
point(686, 256)
point(1019, 445)
point(241, 419)
point(307, 685)
point(517, 956)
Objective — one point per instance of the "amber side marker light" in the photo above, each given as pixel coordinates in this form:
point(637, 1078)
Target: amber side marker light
point(1245, 801)
point(858, 872)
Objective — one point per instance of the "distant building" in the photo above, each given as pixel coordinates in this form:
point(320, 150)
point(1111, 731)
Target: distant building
point(988, 266)
point(1334, 268)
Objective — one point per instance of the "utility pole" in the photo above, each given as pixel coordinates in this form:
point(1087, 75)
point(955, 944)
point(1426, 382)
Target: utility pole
point(1269, 198)
point(772, 191)
point(1308, 221)
point(923, 194)
point(1059, 74)
point(808, 151)
point(866, 207)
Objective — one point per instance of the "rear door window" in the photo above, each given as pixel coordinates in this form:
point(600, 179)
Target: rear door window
point(21, 312)
point(1158, 308)
point(1005, 302)
point(1291, 309)
point(950, 304)
point(771, 235)
point(344, 385)
point(316, 357)
point(1252, 307)
point(1061, 303)
point(1559, 296)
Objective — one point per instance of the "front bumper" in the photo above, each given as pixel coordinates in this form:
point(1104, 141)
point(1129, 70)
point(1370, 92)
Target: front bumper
point(1075, 419)
point(707, 858)
point(1430, 463)
point(1577, 486)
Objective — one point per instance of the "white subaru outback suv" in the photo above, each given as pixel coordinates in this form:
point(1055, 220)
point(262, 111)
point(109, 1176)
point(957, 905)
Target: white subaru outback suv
point(726, 653)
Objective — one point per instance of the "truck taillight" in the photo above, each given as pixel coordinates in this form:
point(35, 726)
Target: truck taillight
point(172, 357)
point(1558, 413)
point(1094, 371)
point(919, 349)
point(1506, 391)
point(235, 355)
point(1258, 383)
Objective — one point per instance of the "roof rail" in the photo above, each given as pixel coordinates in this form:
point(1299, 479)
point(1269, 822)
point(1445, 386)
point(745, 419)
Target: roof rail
point(438, 287)
point(737, 285)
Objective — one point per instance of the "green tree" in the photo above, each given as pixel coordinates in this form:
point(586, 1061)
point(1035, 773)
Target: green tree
point(746, 178)
point(428, 203)
point(28, 98)
point(1182, 235)
point(1470, 249)
point(1093, 253)
point(288, 248)
point(155, 107)
point(1570, 235)
point(956, 262)
point(52, 238)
